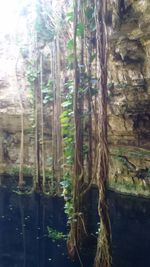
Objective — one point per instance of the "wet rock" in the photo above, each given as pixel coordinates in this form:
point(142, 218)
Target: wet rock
point(129, 79)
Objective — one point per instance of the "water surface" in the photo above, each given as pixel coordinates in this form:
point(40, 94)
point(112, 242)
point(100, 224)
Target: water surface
point(23, 231)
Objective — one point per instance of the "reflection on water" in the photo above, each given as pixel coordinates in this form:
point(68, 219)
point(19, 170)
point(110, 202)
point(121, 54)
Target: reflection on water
point(23, 231)
point(130, 218)
point(130, 221)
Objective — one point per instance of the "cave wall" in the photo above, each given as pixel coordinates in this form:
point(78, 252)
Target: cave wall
point(12, 78)
point(15, 90)
point(129, 87)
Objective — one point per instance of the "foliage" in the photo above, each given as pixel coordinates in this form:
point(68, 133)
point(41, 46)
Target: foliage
point(126, 187)
point(70, 44)
point(90, 15)
point(70, 16)
point(55, 235)
point(67, 124)
point(45, 31)
point(67, 194)
point(66, 119)
point(31, 73)
point(69, 210)
point(80, 29)
point(47, 91)
point(27, 171)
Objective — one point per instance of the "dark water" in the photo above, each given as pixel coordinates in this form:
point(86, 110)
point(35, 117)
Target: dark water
point(130, 219)
point(23, 231)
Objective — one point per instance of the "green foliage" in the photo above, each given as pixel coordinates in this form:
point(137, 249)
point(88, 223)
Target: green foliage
point(67, 186)
point(55, 235)
point(45, 31)
point(67, 124)
point(27, 171)
point(31, 73)
point(70, 56)
point(80, 29)
point(127, 187)
point(70, 16)
point(67, 194)
point(70, 44)
point(47, 91)
point(66, 119)
point(90, 14)
point(69, 210)
point(66, 104)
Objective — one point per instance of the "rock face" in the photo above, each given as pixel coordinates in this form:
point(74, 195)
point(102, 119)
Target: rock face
point(15, 100)
point(129, 86)
point(13, 94)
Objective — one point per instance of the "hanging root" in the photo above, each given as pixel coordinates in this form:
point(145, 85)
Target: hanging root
point(71, 244)
point(76, 233)
point(83, 224)
point(71, 240)
point(71, 248)
point(102, 257)
point(103, 254)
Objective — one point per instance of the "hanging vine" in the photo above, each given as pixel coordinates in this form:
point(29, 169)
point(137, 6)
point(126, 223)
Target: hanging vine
point(103, 253)
point(79, 145)
point(77, 224)
point(19, 84)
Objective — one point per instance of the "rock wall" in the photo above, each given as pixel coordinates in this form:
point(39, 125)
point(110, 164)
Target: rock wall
point(15, 99)
point(129, 87)
point(13, 93)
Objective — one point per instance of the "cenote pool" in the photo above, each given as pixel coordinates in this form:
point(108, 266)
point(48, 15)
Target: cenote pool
point(24, 240)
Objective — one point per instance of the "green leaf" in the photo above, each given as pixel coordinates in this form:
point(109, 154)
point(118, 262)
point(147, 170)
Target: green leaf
point(64, 120)
point(63, 114)
point(70, 58)
point(70, 16)
point(54, 234)
point(66, 104)
point(70, 44)
point(80, 29)
point(89, 12)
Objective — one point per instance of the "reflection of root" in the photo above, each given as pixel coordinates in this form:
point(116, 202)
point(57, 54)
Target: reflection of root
point(103, 250)
point(21, 185)
point(71, 248)
point(75, 237)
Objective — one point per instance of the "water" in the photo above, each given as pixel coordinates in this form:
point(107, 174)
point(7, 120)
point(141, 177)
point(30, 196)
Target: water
point(130, 219)
point(23, 231)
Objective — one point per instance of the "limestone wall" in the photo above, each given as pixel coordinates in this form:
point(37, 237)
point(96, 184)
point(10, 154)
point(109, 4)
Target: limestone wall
point(129, 86)
point(15, 98)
